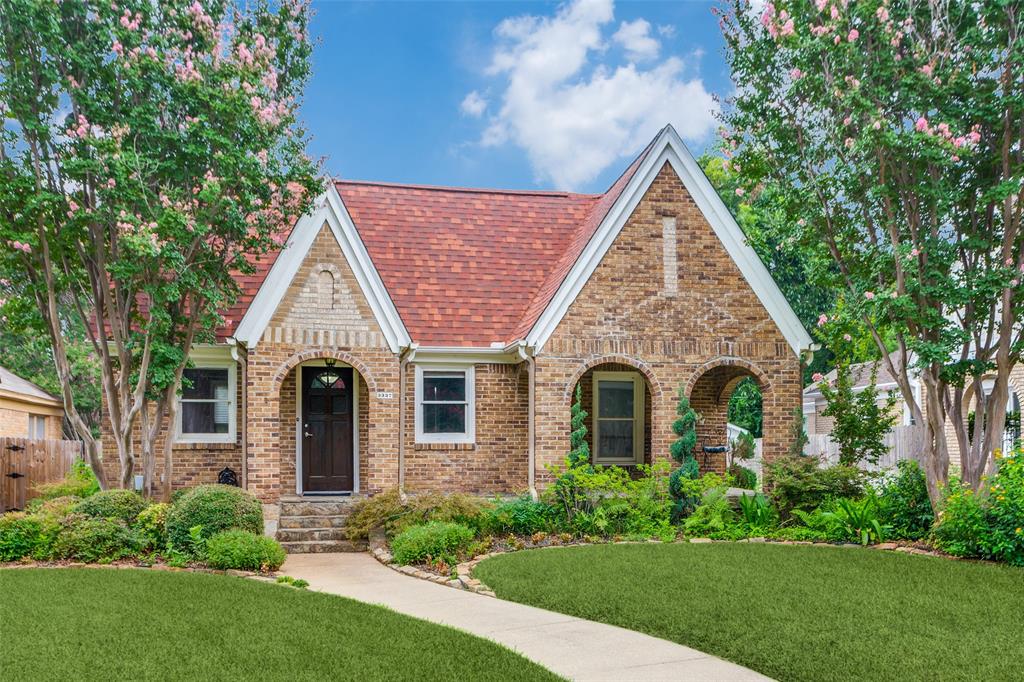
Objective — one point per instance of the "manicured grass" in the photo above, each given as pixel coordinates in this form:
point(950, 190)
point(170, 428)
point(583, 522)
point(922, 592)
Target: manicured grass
point(790, 612)
point(91, 624)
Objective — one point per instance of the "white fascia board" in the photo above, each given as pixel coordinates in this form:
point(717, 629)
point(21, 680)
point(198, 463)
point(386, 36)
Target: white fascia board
point(669, 148)
point(459, 355)
point(331, 209)
point(261, 310)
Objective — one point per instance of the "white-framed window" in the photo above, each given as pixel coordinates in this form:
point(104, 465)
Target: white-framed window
point(37, 426)
point(618, 418)
point(206, 409)
point(445, 404)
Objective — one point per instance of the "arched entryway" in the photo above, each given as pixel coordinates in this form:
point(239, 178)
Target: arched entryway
point(619, 396)
point(710, 389)
point(324, 400)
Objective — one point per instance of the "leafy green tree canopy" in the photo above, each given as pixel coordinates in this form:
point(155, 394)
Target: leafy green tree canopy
point(891, 133)
point(149, 154)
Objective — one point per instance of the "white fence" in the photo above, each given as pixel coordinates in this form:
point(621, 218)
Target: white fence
point(904, 442)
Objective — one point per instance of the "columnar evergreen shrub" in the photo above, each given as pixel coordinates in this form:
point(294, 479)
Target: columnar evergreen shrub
point(685, 428)
point(579, 450)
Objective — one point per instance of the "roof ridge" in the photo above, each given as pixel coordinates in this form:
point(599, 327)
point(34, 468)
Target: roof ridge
point(471, 190)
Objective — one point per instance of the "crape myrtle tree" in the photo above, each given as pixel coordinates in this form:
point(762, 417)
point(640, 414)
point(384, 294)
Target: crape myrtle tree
point(892, 131)
point(149, 154)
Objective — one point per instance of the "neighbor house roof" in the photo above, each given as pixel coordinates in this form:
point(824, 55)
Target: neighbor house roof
point(480, 268)
point(11, 385)
point(860, 373)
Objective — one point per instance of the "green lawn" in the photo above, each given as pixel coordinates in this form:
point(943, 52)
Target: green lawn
point(91, 624)
point(790, 612)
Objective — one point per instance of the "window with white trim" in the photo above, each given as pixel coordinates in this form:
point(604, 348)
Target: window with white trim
point(37, 426)
point(618, 418)
point(206, 411)
point(445, 404)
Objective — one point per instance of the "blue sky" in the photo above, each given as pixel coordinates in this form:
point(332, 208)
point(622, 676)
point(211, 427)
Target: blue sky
point(508, 94)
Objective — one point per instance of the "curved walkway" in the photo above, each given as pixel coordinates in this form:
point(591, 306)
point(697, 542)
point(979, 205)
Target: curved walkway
point(572, 647)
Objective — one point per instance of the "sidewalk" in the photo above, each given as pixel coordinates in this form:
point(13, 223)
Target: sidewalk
point(572, 647)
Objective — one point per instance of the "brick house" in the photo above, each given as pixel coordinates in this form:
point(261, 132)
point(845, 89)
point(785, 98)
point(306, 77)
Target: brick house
point(432, 338)
point(27, 411)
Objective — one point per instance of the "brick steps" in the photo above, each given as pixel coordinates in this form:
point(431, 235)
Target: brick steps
point(310, 524)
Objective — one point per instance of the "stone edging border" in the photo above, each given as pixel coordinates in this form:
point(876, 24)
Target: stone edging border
point(466, 581)
point(250, 575)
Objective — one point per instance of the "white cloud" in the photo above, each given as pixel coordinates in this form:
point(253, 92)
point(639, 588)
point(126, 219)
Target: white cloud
point(571, 108)
point(635, 37)
point(667, 31)
point(474, 104)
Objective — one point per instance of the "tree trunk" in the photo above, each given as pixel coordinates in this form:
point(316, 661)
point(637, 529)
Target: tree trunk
point(937, 456)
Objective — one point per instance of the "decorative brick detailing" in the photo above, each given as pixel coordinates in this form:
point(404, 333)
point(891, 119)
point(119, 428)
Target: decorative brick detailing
point(714, 320)
point(324, 305)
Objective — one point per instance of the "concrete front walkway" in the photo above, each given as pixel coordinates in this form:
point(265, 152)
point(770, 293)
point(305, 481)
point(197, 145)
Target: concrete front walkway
point(572, 647)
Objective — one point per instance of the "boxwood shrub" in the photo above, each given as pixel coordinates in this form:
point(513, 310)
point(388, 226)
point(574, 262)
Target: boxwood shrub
point(88, 539)
point(243, 550)
point(212, 508)
point(431, 541)
point(112, 504)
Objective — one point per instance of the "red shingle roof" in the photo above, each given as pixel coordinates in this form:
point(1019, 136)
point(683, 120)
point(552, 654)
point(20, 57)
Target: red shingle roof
point(465, 267)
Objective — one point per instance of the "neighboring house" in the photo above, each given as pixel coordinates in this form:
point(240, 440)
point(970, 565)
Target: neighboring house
point(431, 338)
point(27, 411)
point(906, 435)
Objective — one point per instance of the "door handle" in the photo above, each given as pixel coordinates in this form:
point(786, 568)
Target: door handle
point(307, 434)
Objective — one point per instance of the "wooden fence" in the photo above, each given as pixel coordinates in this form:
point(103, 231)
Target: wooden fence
point(904, 442)
point(25, 463)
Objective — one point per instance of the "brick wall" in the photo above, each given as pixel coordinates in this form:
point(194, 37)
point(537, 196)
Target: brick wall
point(625, 315)
point(498, 461)
point(14, 420)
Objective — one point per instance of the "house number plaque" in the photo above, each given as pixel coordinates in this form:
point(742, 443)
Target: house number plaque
point(385, 395)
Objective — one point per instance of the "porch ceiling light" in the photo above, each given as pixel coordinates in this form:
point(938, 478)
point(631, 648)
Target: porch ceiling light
point(329, 362)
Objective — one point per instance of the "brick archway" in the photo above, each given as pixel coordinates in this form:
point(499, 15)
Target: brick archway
point(640, 366)
point(709, 389)
point(319, 354)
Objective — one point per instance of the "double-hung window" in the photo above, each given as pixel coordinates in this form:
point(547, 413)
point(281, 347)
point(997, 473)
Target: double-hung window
point(618, 418)
point(37, 426)
point(207, 410)
point(444, 405)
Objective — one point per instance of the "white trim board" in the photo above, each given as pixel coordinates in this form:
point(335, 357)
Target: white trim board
point(669, 147)
point(329, 208)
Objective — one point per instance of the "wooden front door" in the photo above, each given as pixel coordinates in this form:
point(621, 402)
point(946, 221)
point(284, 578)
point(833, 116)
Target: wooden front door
point(326, 429)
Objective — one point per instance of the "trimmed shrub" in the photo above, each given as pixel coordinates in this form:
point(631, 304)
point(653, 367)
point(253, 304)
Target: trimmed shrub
point(56, 507)
point(112, 504)
point(89, 539)
point(151, 525)
point(905, 506)
point(80, 482)
point(800, 483)
point(431, 541)
point(245, 551)
point(213, 509)
point(743, 477)
point(19, 535)
point(387, 510)
point(521, 516)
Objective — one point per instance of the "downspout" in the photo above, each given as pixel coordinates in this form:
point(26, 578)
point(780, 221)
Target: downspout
point(531, 452)
point(404, 358)
point(243, 360)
